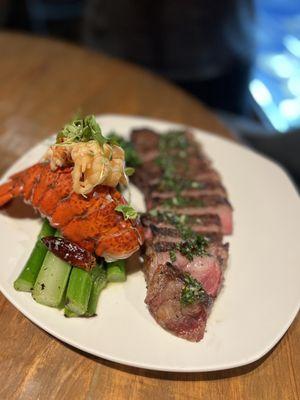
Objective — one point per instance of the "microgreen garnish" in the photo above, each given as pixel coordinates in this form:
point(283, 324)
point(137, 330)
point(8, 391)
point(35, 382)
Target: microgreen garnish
point(127, 210)
point(81, 130)
point(129, 171)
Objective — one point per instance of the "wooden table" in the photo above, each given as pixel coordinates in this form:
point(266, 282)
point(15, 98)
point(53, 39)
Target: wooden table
point(42, 83)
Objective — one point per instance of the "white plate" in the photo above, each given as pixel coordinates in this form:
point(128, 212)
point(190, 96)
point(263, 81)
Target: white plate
point(260, 297)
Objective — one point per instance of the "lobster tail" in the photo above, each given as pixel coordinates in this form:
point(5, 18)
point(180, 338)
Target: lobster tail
point(6, 192)
point(20, 184)
point(12, 188)
point(91, 222)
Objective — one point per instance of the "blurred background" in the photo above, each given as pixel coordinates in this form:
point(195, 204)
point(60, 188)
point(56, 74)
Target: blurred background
point(239, 57)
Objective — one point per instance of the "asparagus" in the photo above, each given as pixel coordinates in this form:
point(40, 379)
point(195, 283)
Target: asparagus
point(78, 291)
point(116, 271)
point(51, 281)
point(69, 314)
point(27, 277)
point(99, 279)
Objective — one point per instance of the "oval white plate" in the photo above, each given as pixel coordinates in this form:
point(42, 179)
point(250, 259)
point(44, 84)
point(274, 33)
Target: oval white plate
point(260, 297)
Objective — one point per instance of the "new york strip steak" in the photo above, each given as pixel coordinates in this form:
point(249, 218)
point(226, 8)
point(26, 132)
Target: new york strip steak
point(188, 213)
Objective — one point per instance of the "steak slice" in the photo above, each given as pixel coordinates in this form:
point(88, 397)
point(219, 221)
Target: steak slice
point(163, 300)
point(206, 269)
point(201, 176)
point(144, 140)
point(204, 224)
point(206, 189)
point(211, 205)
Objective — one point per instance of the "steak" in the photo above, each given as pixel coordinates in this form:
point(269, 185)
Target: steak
point(188, 213)
point(163, 300)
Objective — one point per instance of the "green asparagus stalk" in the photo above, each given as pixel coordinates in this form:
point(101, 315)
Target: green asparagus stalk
point(70, 314)
point(27, 277)
point(116, 271)
point(51, 281)
point(99, 278)
point(78, 291)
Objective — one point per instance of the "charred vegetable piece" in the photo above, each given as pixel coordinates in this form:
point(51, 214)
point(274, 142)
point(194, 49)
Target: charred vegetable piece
point(78, 291)
point(99, 278)
point(27, 277)
point(70, 252)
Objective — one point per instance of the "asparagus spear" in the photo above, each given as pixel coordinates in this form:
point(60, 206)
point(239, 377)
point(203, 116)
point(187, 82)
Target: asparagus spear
point(78, 291)
point(51, 281)
point(99, 279)
point(70, 314)
point(116, 271)
point(27, 277)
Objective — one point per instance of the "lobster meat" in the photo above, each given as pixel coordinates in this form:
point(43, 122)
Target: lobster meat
point(90, 221)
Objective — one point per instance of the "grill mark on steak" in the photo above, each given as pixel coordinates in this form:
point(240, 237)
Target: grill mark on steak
point(150, 182)
point(199, 201)
point(163, 243)
point(207, 225)
point(161, 247)
point(223, 211)
point(207, 269)
point(153, 171)
point(208, 188)
point(205, 220)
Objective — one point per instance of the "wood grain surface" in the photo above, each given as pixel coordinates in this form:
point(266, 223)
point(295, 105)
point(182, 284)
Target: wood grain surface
point(42, 84)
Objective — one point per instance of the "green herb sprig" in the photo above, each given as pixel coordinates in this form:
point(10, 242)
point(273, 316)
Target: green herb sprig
point(194, 247)
point(180, 222)
point(179, 201)
point(191, 248)
point(193, 244)
point(192, 291)
point(169, 159)
point(127, 210)
point(81, 130)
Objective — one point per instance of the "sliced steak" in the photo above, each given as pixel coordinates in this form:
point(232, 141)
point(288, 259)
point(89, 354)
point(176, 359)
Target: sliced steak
point(189, 213)
point(204, 224)
point(207, 269)
point(169, 231)
point(213, 205)
point(145, 140)
point(201, 176)
point(206, 188)
point(163, 300)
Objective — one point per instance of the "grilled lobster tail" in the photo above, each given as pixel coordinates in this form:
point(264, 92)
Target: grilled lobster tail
point(91, 221)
